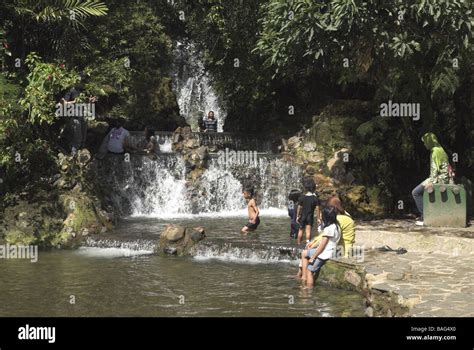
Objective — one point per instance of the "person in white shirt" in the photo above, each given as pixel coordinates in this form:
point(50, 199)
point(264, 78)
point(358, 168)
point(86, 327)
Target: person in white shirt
point(118, 139)
point(313, 259)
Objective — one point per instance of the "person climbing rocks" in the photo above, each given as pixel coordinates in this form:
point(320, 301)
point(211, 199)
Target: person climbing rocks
point(253, 211)
point(439, 165)
point(210, 123)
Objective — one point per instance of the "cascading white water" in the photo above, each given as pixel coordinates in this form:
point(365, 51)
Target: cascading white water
point(158, 188)
point(145, 186)
point(193, 87)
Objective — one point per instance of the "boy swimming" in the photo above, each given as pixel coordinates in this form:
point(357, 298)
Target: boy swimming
point(253, 211)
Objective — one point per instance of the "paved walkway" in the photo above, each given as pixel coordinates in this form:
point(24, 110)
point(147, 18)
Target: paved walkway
point(435, 277)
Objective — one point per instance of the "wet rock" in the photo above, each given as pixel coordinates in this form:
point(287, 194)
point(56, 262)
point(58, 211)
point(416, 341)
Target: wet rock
point(353, 278)
point(180, 239)
point(197, 233)
point(173, 233)
point(170, 251)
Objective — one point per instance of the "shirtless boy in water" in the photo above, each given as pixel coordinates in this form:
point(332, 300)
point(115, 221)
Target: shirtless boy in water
point(254, 220)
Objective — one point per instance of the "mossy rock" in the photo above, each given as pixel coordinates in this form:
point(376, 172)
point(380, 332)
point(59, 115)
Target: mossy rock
point(34, 221)
point(83, 217)
point(362, 201)
point(343, 275)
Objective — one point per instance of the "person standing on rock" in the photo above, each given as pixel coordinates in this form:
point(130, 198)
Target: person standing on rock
point(439, 171)
point(210, 123)
point(76, 125)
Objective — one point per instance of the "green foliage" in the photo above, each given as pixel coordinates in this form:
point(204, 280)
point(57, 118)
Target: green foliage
point(57, 10)
point(45, 82)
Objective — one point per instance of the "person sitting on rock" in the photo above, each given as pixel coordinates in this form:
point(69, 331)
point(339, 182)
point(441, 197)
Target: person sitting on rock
point(313, 259)
point(439, 171)
point(152, 146)
point(307, 204)
point(118, 139)
point(210, 124)
point(347, 226)
point(253, 211)
point(346, 223)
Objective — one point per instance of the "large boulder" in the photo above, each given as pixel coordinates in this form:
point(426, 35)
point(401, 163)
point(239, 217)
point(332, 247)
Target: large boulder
point(178, 240)
point(173, 233)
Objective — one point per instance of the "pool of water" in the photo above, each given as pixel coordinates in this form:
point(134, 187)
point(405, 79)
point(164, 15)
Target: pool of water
point(93, 281)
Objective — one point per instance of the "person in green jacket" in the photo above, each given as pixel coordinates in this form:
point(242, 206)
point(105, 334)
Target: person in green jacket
point(439, 165)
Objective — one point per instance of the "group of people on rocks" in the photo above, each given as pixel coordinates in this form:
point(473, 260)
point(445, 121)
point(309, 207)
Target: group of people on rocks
point(117, 140)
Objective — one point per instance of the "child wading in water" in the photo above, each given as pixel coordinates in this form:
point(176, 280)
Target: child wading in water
point(308, 202)
point(293, 198)
point(254, 220)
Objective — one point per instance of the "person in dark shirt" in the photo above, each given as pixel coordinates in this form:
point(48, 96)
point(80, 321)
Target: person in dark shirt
point(210, 124)
point(76, 126)
point(307, 204)
point(293, 199)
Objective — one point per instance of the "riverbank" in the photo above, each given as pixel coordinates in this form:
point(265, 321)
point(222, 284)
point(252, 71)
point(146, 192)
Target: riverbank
point(434, 278)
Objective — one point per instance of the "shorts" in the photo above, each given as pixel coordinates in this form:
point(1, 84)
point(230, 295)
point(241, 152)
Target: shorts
point(317, 264)
point(309, 220)
point(252, 226)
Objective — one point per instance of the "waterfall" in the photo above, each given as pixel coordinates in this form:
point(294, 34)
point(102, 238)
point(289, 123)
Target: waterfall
point(144, 186)
point(158, 188)
point(193, 87)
